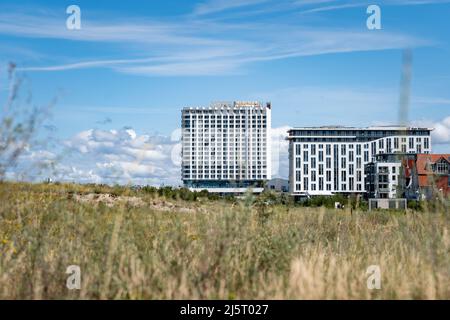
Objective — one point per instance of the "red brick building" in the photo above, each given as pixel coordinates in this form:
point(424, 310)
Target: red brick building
point(433, 173)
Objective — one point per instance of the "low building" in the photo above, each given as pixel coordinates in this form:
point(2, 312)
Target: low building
point(382, 179)
point(278, 185)
point(385, 175)
point(409, 176)
point(433, 172)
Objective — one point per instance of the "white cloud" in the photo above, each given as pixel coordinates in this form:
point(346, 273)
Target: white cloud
point(214, 6)
point(186, 68)
point(278, 42)
point(103, 156)
point(122, 156)
point(346, 4)
point(441, 132)
point(440, 136)
point(195, 46)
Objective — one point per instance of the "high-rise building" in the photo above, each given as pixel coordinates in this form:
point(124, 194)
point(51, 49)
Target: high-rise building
point(226, 147)
point(328, 160)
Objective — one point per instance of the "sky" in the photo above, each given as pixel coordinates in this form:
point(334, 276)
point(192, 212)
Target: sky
point(115, 87)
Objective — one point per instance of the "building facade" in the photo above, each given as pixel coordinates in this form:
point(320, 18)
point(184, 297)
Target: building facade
point(433, 175)
point(226, 147)
point(278, 185)
point(409, 176)
point(329, 160)
point(387, 176)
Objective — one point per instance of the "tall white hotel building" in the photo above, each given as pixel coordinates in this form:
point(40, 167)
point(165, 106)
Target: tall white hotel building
point(226, 147)
point(329, 160)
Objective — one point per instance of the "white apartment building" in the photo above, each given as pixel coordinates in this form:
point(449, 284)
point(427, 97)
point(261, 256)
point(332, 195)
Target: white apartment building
point(226, 147)
point(328, 160)
point(385, 179)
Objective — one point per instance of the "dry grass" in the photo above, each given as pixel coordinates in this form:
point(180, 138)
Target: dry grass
point(213, 251)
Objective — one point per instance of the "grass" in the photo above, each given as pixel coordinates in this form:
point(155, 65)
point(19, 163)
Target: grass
point(219, 250)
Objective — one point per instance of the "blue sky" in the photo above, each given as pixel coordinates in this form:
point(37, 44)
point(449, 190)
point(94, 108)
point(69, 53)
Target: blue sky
point(122, 79)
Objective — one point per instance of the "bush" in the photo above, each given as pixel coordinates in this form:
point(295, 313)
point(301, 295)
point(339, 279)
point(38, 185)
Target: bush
point(414, 205)
point(351, 201)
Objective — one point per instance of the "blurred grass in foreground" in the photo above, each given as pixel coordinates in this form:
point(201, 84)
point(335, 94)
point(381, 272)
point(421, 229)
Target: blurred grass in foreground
point(218, 249)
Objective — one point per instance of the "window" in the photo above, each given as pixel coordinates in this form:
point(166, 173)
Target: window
point(441, 168)
point(313, 149)
point(297, 149)
point(313, 163)
point(328, 149)
point(383, 170)
point(305, 156)
point(358, 163)
point(297, 163)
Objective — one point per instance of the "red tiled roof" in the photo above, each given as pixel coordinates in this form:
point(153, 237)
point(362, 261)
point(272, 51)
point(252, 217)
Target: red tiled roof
point(424, 159)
